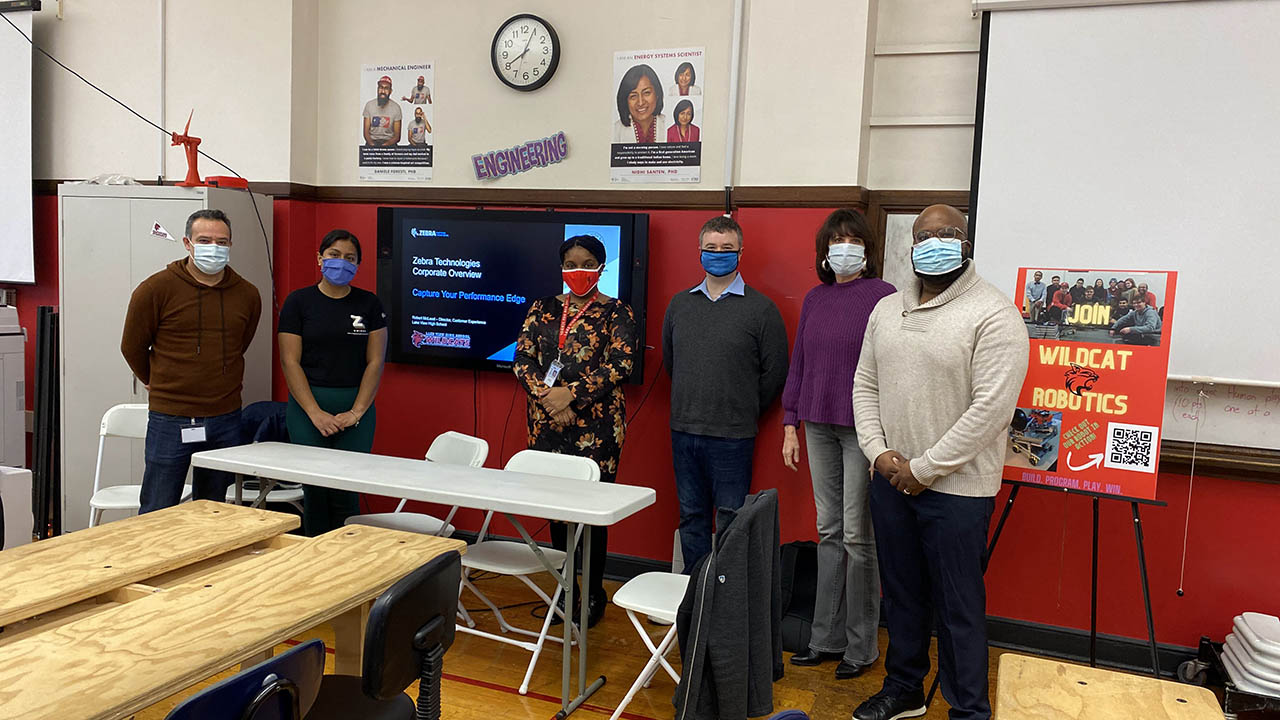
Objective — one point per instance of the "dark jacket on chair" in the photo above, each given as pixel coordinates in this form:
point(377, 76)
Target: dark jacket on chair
point(730, 621)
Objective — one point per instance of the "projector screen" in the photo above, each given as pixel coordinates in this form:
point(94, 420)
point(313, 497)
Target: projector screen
point(456, 284)
point(1142, 137)
point(17, 264)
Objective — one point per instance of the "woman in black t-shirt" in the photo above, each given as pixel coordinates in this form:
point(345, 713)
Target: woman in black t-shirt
point(333, 339)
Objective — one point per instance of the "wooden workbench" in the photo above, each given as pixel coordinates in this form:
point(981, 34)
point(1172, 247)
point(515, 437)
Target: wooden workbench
point(190, 592)
point(1029, 688)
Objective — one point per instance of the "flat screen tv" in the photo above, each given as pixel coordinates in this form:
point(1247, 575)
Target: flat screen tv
point(456, 284)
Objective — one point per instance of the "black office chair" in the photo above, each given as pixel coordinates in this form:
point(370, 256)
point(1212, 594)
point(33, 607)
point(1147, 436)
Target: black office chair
point(282, 688)
point(409, 629)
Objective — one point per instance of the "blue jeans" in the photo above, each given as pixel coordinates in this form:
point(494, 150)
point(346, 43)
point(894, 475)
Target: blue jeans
point(711, 472)
point(168, 459)
point(932, 550)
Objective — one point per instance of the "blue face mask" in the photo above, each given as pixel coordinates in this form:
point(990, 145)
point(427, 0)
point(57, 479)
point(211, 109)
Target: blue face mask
point(936, 256)
point(719, 262)
point(337, 270)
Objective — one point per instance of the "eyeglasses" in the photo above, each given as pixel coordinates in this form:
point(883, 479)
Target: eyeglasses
point(949, 232)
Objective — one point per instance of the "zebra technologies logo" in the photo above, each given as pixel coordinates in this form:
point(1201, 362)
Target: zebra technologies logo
point(421, 233)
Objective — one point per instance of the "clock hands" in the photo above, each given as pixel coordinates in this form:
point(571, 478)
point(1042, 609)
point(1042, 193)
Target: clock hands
point(526, 46)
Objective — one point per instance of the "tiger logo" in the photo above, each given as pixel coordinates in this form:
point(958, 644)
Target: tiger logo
point(1080, 379)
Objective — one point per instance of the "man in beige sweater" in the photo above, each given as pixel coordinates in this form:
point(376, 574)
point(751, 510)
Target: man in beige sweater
point(941, 367)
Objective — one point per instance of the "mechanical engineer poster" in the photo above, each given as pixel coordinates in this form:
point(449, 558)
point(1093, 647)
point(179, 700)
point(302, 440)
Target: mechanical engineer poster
point(397, 110)
point(1089, 416)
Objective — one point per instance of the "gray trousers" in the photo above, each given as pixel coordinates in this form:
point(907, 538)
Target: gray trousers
point(846, 615)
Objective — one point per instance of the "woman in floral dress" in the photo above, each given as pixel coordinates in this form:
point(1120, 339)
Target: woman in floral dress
point(574, 354)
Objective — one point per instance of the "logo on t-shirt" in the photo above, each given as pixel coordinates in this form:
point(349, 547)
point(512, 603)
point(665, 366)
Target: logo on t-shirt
point(380, 121)
point(357, 325)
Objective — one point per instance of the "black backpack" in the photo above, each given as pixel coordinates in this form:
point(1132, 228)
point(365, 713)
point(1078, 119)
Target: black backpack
point(799, 592)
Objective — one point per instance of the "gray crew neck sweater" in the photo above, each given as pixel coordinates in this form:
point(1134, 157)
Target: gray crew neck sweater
point(727, 360)
point(938, 382)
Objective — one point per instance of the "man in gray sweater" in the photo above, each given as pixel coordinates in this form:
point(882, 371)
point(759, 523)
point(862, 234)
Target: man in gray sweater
point(725, 347)
point(1139, 326)
point(941, 368)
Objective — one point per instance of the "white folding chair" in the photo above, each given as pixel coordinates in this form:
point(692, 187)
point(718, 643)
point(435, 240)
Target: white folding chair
point(519, 560)
point(658, 595)
point(290, 495)
point(122, 421)
point(449, 447)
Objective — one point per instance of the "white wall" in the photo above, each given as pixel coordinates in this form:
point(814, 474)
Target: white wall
point(306, 77)
point(824, 93)
point(229, 60)
point(77, 132)
point(805, 74)
point(475, 113)
point(924, 95)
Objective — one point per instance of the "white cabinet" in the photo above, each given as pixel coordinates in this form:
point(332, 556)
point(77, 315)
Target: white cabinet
point(13, 427)
point(106, 248)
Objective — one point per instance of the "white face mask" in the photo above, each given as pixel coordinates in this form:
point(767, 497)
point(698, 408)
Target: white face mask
point(846, 258)
point(210, 258)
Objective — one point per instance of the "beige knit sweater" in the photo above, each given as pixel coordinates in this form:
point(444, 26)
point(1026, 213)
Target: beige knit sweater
point(938, 382)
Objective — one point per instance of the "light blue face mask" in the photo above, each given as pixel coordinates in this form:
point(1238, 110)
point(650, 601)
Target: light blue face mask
point(936, 256)
point(210, 258)
point(846, 258)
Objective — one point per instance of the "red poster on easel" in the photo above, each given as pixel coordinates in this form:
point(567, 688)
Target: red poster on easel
point(1090, 412)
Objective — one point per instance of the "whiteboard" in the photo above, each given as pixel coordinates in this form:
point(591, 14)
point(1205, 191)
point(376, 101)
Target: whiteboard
point(1226, 415)
point(1143, 137)
point(17, 263)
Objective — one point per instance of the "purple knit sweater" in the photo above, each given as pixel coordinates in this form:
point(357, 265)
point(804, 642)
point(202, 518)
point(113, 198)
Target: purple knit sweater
point(833, 321)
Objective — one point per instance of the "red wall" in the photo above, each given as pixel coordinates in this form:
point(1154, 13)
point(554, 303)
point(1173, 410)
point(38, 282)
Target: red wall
point(1040, 572)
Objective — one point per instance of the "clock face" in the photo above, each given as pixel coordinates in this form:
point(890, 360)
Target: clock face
point(525, 52)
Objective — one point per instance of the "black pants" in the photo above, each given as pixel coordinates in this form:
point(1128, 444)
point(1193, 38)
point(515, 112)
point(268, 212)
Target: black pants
point(932, 549)
point(599, 548)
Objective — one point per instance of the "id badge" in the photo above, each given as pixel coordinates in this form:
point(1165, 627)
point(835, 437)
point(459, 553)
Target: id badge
point(192, 434)
point(553, 372)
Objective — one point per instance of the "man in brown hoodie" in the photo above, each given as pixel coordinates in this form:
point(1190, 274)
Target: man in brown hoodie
point(185, 335)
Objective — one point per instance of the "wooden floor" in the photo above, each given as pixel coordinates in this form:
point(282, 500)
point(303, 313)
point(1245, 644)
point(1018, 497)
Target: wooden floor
point(481, 676)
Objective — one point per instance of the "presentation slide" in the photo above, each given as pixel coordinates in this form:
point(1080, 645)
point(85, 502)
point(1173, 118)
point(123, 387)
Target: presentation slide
point(464, 285)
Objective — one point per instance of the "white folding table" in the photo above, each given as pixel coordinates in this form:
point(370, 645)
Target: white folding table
point(511, 493)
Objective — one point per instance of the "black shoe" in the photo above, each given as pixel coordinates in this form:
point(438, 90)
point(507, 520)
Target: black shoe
point(883, 706)
point(596, 607)
point(813, 657)
point(846, 670)
point(555, 617)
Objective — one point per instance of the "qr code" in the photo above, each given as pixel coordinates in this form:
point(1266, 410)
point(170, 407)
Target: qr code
point(1132, 447)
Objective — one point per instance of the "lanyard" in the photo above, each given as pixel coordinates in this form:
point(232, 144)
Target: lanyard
point(566, 323)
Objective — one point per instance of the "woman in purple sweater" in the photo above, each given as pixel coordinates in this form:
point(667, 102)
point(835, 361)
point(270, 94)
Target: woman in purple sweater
point(819, 393)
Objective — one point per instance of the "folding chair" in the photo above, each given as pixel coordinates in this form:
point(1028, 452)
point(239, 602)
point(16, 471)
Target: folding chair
point(122, 421)
point(449, 447)
point(658, 595)
point(520, 560)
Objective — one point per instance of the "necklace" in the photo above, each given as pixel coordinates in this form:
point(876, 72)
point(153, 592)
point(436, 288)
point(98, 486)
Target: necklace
point(649, 134)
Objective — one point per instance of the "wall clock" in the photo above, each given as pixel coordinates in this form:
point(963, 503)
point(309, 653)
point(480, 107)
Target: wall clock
point(525, 52)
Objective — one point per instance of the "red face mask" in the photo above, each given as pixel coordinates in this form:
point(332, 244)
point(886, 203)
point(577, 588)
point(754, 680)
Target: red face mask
point(581, 282)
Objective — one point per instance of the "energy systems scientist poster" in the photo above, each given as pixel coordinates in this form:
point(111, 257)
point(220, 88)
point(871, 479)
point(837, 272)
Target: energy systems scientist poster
point(1089, 416)
point(657, 116)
